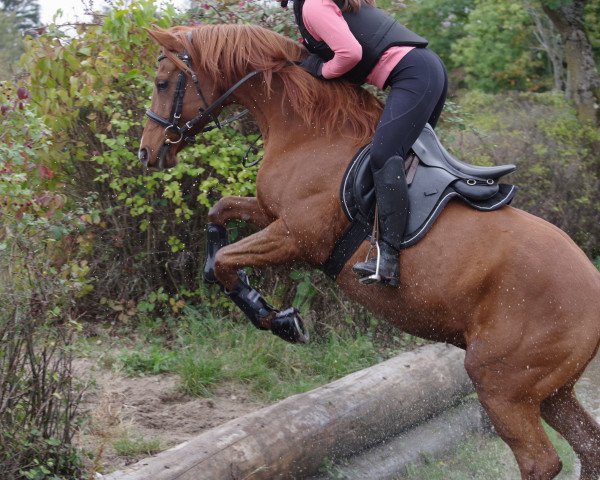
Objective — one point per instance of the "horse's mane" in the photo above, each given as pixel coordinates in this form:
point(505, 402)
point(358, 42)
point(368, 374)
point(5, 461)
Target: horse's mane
point(227, 52)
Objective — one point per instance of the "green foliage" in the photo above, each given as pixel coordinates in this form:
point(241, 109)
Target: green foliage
point(267, 14)
point(147, 230)
point(441, 22)
point(305, 291)
point(495, 51)
point(556, 155)
point(592, 23)
point(43, 274)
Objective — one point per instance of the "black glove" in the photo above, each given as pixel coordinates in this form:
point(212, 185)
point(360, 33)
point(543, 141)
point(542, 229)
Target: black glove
point(313, 64)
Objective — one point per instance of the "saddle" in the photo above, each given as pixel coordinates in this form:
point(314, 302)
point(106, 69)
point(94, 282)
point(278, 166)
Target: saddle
point(434, 177)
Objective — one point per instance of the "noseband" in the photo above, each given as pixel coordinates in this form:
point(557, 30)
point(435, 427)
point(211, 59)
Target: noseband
point(172, 123)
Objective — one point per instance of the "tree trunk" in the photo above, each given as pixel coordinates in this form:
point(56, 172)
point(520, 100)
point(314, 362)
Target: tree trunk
point(583, 80)
point(550, 42)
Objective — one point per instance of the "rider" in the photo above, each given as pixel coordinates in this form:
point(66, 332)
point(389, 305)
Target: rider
point(352, 40)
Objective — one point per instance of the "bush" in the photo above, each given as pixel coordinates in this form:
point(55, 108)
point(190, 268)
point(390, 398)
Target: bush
point(147, 232)
point(43, 274)
point(558, 157)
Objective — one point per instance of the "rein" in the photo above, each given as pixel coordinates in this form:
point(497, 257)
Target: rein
point(172, 123)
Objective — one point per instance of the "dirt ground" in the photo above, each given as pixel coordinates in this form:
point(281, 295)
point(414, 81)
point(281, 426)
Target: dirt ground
point(146, 410)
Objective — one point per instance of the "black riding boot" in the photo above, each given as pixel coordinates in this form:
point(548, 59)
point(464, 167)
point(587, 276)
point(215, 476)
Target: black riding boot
point(391, 193)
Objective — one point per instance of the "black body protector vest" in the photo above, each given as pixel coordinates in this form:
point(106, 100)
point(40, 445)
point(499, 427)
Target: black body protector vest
point(375, 30)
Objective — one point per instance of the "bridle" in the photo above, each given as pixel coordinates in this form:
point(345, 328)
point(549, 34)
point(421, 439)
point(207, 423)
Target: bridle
point(172, 123)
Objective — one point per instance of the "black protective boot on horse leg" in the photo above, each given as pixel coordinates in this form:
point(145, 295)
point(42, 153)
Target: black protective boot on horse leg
point(216, 238)
point(391, 193)
point(287, 325)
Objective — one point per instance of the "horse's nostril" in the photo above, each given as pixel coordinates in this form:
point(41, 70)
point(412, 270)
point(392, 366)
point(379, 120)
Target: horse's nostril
point(143, 156)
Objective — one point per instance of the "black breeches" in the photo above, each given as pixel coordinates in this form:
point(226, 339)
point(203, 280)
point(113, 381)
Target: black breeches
point(419, 84)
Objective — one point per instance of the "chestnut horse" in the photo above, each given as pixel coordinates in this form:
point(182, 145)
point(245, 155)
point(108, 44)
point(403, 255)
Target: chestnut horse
point(511, 289)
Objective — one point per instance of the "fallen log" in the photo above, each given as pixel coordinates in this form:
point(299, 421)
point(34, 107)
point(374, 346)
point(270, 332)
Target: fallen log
point(416, 446)
point(293, 438)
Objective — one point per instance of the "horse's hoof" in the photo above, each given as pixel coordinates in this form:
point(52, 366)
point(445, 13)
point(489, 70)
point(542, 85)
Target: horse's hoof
point(289, 326)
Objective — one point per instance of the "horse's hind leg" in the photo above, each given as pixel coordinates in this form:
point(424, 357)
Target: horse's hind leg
point(564, 413)
point(502, 391)
point(518, 424)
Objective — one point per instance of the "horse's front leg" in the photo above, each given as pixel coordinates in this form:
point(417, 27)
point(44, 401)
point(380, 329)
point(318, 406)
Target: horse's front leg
point(271, 246)
point(226, 209)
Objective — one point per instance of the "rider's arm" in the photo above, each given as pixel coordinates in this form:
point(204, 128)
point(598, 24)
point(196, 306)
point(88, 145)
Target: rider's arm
point(325, 22)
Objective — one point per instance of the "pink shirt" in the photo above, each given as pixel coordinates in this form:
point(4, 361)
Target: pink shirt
point(324, 21)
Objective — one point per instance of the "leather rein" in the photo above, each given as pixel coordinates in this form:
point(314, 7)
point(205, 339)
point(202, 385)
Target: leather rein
point(184, 132)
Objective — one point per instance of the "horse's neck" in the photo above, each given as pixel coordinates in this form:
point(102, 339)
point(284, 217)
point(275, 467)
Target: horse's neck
point(276, 119)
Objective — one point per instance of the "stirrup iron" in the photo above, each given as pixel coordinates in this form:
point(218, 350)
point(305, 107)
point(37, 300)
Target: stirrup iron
point(375, 277)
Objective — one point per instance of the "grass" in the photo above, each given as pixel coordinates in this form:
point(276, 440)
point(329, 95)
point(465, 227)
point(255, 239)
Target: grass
point(207, 351)
point(127, 446)
point(484, 457)
point(216, 351)
point(153, 360)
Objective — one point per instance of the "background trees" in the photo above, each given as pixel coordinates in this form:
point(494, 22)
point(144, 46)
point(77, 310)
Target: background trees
point(521, 45)
point(16, 16)
point(583, 80)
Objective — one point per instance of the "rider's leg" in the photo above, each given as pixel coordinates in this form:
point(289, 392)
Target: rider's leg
point(437, 111)
point(418, 87)
point(392, 209)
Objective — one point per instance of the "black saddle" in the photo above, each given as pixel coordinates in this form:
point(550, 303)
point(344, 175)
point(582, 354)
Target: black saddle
point(434, 177)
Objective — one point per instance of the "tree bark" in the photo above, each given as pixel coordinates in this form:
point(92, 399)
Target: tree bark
point(583, 80)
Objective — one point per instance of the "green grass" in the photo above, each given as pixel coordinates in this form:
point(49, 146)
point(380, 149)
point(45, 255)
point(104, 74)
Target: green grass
point(152, 360)
point(484, 457)
point(127, 446)
point(216, 351)
point(207, 352)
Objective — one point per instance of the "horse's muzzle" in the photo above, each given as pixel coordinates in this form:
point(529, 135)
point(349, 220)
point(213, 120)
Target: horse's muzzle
point(143, 156)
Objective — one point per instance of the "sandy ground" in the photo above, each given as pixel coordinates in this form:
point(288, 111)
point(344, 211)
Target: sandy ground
point(146, 409)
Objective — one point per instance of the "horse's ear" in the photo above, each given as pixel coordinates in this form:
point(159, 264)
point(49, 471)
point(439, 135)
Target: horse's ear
point(164, 38)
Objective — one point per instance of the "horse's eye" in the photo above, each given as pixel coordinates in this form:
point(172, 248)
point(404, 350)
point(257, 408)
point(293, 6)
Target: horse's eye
point(162, 84)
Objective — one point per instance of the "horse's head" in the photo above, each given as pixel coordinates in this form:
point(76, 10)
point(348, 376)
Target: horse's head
point(200, 68)
point(181, 102)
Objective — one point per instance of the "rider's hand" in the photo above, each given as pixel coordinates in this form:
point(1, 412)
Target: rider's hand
point(313, 64)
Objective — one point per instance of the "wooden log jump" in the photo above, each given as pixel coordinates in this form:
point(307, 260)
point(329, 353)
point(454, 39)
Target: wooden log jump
point(293, 438)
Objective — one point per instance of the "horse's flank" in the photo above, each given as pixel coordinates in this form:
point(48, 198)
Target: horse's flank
point(227, 52)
